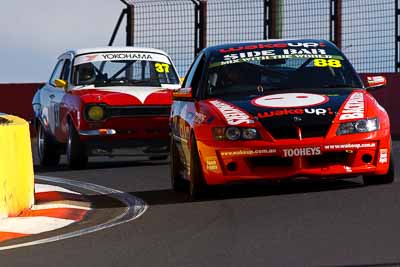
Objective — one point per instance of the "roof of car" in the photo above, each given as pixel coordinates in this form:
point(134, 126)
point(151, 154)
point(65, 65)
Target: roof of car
point(115, 49)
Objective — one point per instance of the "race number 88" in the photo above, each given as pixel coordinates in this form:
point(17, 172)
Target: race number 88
point(334, 63)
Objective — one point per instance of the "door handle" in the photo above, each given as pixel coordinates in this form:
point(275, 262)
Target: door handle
point(52, 96)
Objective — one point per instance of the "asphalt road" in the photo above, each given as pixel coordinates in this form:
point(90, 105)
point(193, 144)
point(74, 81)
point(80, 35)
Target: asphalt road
point(301, 223)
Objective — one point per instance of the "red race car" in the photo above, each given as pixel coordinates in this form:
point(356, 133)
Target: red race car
point(275, 110)
point(101, 99)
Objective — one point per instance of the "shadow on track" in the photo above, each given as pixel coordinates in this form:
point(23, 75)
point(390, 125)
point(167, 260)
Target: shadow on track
point(248, 190)
point(98, 165)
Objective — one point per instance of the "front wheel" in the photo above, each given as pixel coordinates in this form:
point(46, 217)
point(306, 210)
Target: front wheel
point(77, 156)
point(197, 185)
point(387, 178)
point(47, 149)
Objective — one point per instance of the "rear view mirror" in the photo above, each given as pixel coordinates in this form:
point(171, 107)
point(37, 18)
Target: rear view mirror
point(61, 84)
point(183, 93)
point(375, 82)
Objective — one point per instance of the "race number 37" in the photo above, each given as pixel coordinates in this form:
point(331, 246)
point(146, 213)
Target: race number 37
point(334, 63)
point(162, 67)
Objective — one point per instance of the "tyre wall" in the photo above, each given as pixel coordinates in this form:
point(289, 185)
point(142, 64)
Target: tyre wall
point(16, 166)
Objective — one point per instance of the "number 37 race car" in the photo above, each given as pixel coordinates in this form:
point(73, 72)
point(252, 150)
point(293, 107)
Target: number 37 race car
point(275, 110)
point(102, 101)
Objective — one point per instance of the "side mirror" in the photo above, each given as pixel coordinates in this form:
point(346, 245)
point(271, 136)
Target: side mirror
point(183, 94)
point(376, 82)
point(61, 84)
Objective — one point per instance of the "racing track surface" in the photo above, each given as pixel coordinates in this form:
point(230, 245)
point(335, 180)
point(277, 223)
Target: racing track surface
point(302, 223)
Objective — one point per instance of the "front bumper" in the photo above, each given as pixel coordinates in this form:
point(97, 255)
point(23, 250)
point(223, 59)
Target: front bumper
point(339, 156)
point(115, 133)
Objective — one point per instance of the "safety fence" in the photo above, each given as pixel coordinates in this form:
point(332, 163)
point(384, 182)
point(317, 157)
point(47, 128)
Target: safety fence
point(366, 30)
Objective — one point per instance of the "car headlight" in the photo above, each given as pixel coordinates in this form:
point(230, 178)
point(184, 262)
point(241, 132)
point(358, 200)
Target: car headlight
point(95, 113)
point(235, 133)
point(359, 126)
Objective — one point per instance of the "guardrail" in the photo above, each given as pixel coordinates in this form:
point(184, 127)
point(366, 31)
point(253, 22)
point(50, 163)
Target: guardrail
point(16, 166)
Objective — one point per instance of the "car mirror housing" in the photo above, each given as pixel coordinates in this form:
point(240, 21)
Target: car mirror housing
point(61, 84)
point(183, 94)
point(376, 82)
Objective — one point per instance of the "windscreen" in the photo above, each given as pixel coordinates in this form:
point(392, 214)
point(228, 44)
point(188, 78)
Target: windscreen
point(261, 68)
point(124, 68)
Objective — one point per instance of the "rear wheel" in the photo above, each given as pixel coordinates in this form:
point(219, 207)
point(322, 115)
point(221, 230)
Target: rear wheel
point(387, 178)
point(77, 156)
point(47, 148)
point(197, 185)
point(178, 183)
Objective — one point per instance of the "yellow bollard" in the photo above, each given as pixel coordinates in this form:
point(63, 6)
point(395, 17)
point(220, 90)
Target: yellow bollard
point(16, 166)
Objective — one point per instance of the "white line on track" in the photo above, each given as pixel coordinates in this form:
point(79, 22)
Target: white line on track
point(135, 207)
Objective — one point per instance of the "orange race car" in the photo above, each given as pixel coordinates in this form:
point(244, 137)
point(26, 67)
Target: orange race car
point(273, 110)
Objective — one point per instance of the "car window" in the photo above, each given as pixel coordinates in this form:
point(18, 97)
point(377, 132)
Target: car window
point(124, 68)
point(57, 72)
point(192, 70)
point(257, 70)
point(196, 81)
point(66, 70)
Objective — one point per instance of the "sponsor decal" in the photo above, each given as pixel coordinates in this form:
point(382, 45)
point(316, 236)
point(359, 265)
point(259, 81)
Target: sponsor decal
point(272, 57)
point(297, 111)
point(383, 155)
point(254, 54)
point(270, 46)
point(290, 100)
point(349, 146)
point(232, 115)
point(354, 107)
point(122, 56)
point(303, 151)
point(212, 164)
point(249, 152)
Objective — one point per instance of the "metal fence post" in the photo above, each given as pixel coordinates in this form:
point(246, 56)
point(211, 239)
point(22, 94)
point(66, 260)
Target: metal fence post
point(397, 36)
point(273, 18)
point(335, 22)
point(130, 24)
point(200, 25)
point(203, 24)
point(114, 34)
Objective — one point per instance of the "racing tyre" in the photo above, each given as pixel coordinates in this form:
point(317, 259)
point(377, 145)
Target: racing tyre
point(178, 183)
point(387, 178)
point(197, 185)
point(47, 148)
point(77, 156)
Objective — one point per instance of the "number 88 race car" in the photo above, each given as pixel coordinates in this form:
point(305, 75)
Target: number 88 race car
point(274, 110)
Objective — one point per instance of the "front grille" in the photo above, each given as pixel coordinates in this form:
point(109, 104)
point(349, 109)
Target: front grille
point(290, 132)
point(328, 158)
point(271, 161)
point(139, 111)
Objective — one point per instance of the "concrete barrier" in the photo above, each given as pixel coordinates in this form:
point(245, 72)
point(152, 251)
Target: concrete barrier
point(16, 166)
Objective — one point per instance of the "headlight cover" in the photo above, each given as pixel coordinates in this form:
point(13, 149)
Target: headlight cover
point(235, 133)
point(359, 126)
point(95, 113)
